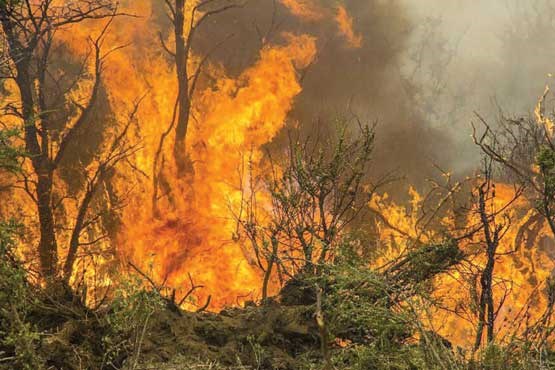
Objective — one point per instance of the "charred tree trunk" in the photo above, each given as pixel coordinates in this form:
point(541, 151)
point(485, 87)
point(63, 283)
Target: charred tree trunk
point(492, 234)
point(29, 33)
point(76, 233)
point(187, 78)
point(48, 249)
point(182, 48)
point(486, 315)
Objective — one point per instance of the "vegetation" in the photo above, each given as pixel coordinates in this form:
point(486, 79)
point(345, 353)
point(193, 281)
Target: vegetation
point(18, 335)
point(338, 314)
point(343, 284)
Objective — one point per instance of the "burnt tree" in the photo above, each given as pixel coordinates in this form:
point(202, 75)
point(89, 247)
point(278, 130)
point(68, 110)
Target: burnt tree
point(492, 224)
point(185, 25)
point(30, 30)
point(316, 191)
point(524, 149)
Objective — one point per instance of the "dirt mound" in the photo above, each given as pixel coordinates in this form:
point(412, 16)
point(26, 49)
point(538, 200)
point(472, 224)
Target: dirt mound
point(267, 337)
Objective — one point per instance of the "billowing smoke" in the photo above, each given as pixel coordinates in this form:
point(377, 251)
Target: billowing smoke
point(479, 56)
point(421, 70)
point(366, 80)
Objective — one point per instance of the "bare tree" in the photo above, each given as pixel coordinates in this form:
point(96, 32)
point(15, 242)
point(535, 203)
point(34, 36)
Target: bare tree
point(185, 28)
point(117, 150)
point(315, 194)
point(524, 149)
point(426, 75)
point(493, 230)
point(30, 29)
point(262, 232)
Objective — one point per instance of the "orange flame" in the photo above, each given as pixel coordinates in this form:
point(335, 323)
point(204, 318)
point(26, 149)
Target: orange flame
point(306, 9)
point(195, 236)
point(233, 117)
point(345, 24)
point(524, 263)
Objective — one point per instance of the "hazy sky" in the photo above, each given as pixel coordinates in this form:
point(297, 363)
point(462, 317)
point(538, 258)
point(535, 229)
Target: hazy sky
point(487, 71)
point(480, 25)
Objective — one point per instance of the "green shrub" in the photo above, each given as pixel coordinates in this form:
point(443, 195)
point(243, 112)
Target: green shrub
point(128, 321)
point(18, 337)
point(359, 309)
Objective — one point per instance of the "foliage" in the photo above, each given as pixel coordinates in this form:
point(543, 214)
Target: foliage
point(316, 193)
point(425, 262)
point(10, 154)
point(128, 321)
point(360, 310)
point(358, 304)
point(372, 357)
point(184, 363)
point(546, 162)
point(18, 336)
point(517, 356)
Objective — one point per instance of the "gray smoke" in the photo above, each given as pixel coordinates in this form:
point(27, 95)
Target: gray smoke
point(424, 67)
point(502, 53)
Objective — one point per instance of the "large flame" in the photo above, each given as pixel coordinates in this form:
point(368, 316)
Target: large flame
point(192, 236)
point(234, 120)
point(523, 266)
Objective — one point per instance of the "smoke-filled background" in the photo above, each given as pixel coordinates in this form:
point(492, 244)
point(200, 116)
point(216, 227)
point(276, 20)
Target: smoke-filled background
point(491, 57)
point(419, 68)
point(359, 79)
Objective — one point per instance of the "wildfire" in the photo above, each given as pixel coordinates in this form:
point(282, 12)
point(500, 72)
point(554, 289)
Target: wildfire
point(192, 234)
point(524, 264)
point(191, 237)
point(195, 235)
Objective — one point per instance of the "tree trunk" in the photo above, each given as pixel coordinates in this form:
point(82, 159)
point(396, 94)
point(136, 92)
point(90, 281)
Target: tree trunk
point(269, 268)
point(48, 249)
point(76, 233)
point(184, 102)
point(486, 315)
point(489, 297)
